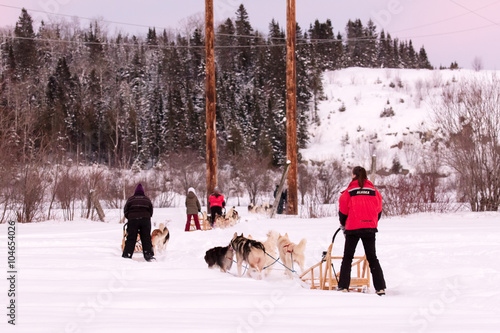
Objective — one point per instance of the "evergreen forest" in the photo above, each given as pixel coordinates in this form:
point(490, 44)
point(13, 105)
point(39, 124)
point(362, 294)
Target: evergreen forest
point(76, 92)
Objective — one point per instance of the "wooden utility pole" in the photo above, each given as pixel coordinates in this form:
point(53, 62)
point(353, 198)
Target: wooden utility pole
point(210, 98)
point(373, 169)
point(291, 109)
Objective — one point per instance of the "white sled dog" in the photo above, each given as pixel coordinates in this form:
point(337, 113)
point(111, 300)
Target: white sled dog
point(270, 245)
point(160, 238)
point(291, 252)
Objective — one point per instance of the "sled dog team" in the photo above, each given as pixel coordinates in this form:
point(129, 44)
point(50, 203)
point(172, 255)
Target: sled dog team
point(360, 209)
point(259, 257)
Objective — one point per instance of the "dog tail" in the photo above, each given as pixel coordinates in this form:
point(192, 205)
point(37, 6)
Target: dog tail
point(301, 246)
point(167, 237)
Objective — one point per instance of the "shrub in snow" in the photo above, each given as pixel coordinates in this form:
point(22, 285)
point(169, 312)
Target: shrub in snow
point(388, 112)
point(342, 108)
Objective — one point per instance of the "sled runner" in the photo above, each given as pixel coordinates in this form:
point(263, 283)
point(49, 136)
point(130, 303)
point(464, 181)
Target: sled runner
point(138, 244)
point(321, 276)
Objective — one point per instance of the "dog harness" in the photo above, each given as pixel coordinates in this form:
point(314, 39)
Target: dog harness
point(286, 246)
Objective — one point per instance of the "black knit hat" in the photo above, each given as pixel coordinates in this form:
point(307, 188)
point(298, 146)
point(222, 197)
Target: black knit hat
point(139, 190)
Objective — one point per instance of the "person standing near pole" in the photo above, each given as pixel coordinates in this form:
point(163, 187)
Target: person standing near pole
point(138, 211)
point(360, 208)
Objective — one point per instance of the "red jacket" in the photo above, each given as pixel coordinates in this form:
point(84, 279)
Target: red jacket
point(360, 208)
point(216, 200)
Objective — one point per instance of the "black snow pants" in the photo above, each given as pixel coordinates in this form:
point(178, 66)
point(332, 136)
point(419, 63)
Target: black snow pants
point(215, 210)
point(142, 227)
point(351, 241)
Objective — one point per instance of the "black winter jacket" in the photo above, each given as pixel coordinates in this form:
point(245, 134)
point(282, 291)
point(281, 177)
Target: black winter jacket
point(138, 207)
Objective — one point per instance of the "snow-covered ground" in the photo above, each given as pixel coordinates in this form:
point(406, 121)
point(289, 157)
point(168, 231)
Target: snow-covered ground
point(442, 274)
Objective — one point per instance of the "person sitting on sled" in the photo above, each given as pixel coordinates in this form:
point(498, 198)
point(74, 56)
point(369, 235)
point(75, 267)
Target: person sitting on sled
point(216, 203)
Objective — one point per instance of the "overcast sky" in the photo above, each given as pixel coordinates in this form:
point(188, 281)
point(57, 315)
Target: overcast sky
point(450, 30)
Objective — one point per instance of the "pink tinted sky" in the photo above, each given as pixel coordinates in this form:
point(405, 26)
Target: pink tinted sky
point(450, 30)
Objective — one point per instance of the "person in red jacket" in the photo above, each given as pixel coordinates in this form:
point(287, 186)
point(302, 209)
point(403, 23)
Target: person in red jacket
point(216, 203)
point(360, 208)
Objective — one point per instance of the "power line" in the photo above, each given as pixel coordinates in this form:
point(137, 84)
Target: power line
point(318, 41)
point(135, 44)
point(308, 42)
point(126, 23)
point(80, 17)
point(444, 20)
point(475, 13)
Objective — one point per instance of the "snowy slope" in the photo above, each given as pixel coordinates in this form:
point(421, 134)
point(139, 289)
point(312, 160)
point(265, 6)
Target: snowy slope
point(365, 93)
point(441, 270)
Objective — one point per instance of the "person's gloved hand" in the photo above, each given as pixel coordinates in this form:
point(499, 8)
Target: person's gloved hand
point(342, 227)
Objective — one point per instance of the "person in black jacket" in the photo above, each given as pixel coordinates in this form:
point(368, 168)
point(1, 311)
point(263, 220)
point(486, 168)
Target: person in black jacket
point(283, 200)
point(138, 211)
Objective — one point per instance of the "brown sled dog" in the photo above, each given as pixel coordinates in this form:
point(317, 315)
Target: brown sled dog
point(221, 257)
point(250, 251)
point(159, 238)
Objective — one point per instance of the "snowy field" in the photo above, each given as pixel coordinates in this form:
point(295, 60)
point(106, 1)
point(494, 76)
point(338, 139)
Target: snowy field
point(442, 274)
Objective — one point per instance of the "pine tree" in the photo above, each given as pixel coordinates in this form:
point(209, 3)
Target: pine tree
point(304, 91)
point(382, 58)
point(338, 56)
point(275, 112)
point(10, 63)
point(355, 46)
point(94, 44)
point(423, 61)
point(370, 45)
point(244, 32)
point(396, 60)
point(412, 56)
point(323, 45)
point(151, 37)
point(25, 50)
point(225, 53)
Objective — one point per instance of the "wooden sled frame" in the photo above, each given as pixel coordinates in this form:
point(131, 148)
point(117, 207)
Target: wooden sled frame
point(138, 243)
point(204, 223)
point(324, 278)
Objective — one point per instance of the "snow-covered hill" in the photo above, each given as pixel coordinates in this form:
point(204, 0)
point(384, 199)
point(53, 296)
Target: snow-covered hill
point(351, 127)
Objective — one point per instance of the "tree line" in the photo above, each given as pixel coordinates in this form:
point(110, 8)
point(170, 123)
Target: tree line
point(78, 93)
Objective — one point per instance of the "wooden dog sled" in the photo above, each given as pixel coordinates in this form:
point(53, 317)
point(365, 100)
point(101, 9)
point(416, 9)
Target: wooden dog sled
point(204, 223)
point(322, 277)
